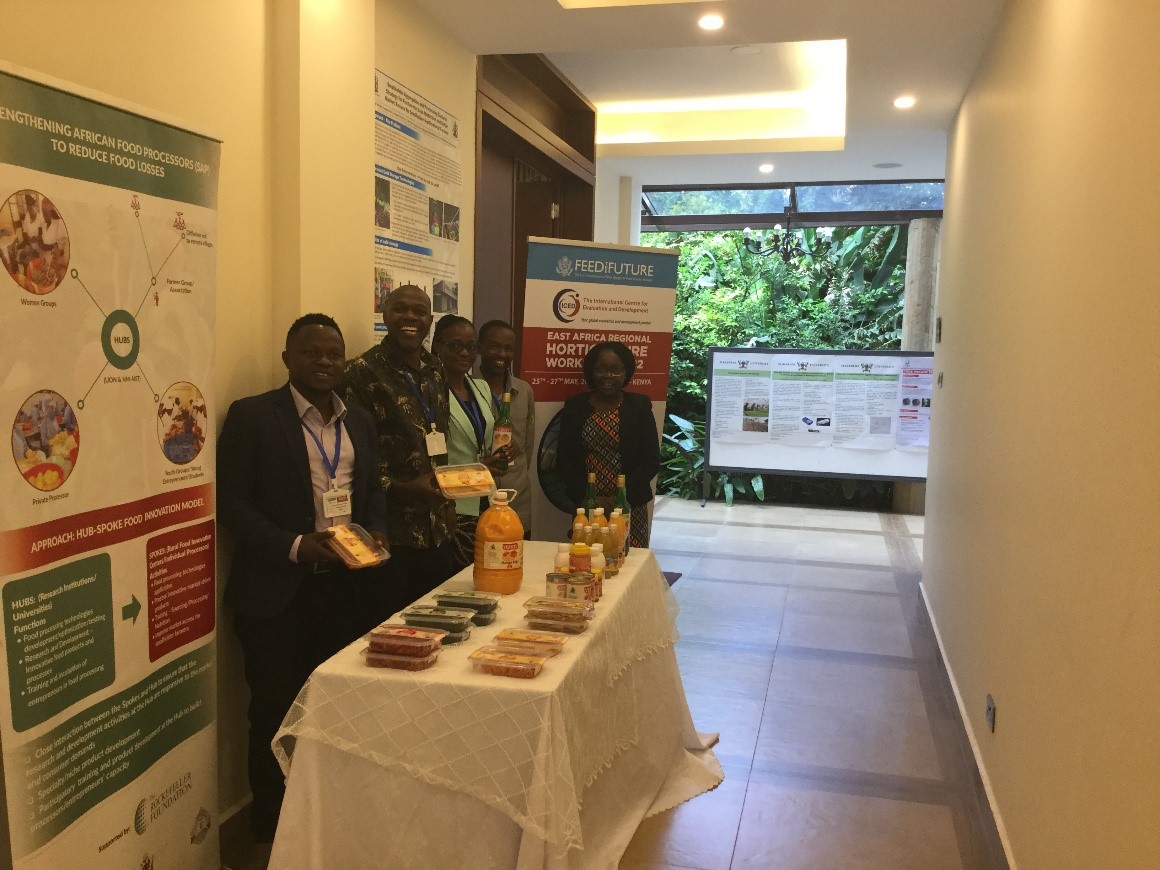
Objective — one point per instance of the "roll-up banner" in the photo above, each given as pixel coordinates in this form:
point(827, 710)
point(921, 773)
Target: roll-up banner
point(579, 294)
point(108, 228)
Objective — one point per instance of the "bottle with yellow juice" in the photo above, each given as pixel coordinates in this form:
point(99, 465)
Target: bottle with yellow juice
point(499, 547)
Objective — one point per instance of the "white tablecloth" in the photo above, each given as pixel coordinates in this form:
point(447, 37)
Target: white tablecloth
point(452, 768)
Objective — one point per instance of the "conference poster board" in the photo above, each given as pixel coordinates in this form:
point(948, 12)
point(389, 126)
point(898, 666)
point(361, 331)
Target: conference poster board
point(579, 294)
point(418, 188)
point(108, 228)
point(858, 413)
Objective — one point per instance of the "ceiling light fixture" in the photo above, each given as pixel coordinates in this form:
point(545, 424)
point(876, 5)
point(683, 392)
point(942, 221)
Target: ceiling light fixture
point(765, 167)
point(712, 21)
point(784, 243)
point(906, 101)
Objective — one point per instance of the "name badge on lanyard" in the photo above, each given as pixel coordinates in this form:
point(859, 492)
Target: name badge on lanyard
point(336, 500)
point(436, 443)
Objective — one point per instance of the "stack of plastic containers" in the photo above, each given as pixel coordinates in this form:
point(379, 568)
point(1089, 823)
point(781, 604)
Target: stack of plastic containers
point(485, 604)
point(456, 621)
point(557, 614)
point(403, 647)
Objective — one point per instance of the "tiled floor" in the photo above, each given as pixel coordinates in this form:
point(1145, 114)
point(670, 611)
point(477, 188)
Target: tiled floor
point(804, 642)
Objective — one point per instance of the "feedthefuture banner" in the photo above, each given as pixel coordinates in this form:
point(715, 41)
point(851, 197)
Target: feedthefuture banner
point(580, 294)
point(108, 230)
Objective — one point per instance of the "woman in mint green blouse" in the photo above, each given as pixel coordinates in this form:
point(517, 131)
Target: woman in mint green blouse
point(470, 430)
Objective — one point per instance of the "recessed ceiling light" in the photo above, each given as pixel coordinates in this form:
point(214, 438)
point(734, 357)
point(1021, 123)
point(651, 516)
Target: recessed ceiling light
point(712, 21)
point(745, 49)
point(765, 167)
point(906, 101)
point(887, 165)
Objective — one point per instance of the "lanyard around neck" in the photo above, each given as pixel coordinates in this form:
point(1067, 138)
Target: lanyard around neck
point(428, 412)
point(331, 465)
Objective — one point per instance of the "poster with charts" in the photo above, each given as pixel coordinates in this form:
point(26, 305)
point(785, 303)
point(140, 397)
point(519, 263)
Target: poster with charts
point(861, 414)
point(108, 234)
point(418, 185)
point(741, 398)
point(915, 393)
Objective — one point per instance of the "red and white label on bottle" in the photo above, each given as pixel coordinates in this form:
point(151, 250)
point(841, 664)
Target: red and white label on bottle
point(503, 555)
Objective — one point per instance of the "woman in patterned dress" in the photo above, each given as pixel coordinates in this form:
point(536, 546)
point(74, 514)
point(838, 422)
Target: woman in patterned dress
point(609, 431)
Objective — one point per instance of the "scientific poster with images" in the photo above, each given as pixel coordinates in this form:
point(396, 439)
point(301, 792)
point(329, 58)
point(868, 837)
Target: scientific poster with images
point(741, 397)
point(418, 185)
point(916, 389)
point(856, 413)
point(866, 401)
point(802, 400)
point(108, 229)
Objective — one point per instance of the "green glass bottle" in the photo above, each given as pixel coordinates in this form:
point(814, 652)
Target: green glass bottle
point(622, 503)
point(590, 503)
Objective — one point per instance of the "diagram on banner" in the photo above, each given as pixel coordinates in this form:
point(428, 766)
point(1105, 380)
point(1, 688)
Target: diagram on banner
point(37, 253)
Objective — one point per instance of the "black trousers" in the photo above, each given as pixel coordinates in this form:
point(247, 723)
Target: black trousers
point(413, 572)
point(280, 652)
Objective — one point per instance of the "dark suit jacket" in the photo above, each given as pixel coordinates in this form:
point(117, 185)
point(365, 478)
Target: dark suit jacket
point(640, 451)
point(265, 498)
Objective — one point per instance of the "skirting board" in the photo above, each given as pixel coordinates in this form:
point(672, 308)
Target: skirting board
point(999, 826)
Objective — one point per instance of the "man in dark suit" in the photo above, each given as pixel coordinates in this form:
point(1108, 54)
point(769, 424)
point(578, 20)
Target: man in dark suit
point(292, 463)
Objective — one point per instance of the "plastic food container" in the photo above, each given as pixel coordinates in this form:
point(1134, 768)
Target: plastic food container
point(580, 586)
point(483, 602)
point(559, 609)
point(450, 619)
point(355, 546)
point(405, 640)
point(457, 637)
point(484, 618)
point(555, 625)
point(491, 660)
point(402, 663)
point(518, 640)
point(465, 481)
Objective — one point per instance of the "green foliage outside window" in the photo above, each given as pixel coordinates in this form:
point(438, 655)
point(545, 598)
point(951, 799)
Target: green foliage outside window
point(844, 294)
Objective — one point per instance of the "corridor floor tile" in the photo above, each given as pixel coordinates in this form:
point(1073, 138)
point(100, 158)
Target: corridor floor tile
point(791, 828)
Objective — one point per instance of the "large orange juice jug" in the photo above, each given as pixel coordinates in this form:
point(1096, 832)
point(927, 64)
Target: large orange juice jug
point(499, 548)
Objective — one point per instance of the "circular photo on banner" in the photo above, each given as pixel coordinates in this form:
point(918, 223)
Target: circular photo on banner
point(34, 245)
point(45, 440)
point(181, 423)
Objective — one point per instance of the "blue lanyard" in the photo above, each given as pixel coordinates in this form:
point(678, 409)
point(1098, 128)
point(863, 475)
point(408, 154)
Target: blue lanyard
point(474, 413)
point(427, 411)
point(331, 465)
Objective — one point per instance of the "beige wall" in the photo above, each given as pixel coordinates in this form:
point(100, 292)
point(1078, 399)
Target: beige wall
point(1043, 508)
point(412, 49)
point(322, 182)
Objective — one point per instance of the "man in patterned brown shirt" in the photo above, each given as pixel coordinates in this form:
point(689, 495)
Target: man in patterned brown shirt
point(403, 387)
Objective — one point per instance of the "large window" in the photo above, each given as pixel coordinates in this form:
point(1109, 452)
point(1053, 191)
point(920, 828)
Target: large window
point(763, 206)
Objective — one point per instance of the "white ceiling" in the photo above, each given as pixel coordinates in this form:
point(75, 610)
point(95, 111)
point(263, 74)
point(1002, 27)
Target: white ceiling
point(930, 48)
